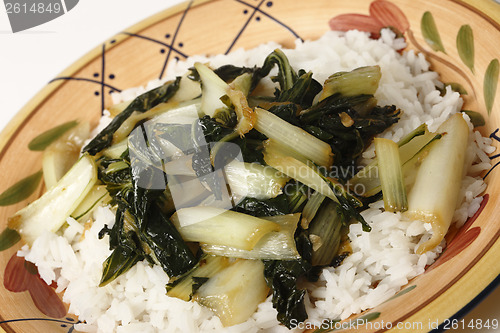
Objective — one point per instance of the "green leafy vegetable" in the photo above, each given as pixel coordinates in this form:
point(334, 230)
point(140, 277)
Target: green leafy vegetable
point(286, 75)
point(409, 146)
point(218, 226)
point(348, 132)
point(296, 195)
point(253, 180)
point(139, 189)
point(288, 299)
point(141, 104)
point(119, 262)
point(269, 207)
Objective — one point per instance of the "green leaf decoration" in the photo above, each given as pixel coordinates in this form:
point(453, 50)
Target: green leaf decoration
point(457, 87)
point(327, 326)
point(8, 238)
point(368, 317)
point(330, 326)
point(402, 292)
point(465, 46)
point(476, 118)
point(43, 140)
point(20, 190)
point(431, 33)
point(490, 84)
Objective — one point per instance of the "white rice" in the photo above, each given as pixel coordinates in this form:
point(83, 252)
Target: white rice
point(385, 257)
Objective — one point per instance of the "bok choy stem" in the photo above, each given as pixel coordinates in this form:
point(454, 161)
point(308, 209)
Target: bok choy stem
point(293, 137)
point(391, 175)
point(221, 227)
point(434, 195)
point(300, 172)
point(311, 208)
point(235, 292)
point(324, 234)
point(360, 81)
point(276, 245)
point(207, 267)
point(58, 202)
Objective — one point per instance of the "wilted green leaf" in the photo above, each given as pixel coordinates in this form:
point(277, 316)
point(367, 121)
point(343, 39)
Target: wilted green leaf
point(8, 238)
point(465, 46)
point(475, 118)
point(120, 261)
point(490, 84)
point(43, 140)
point(20, 190)
point(431, 33)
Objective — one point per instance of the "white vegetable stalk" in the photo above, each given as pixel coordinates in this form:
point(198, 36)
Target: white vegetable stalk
point(97, 196)
point(188, 90)
point(391, 175)
point(246, 116)
point(311, 208)
point(128, 125)
point(434, 195)
point(63, 153)
point(368, 178)
point(362, 80)
point(276, 245)
point(217, 226)
point(116, 150)
point(213, 88)
point(274, 147)
point(183, 165)
point(57, 203)
point(254, 180)
point(207, 268)
point(300, 172)
point(186, 191)
point(185, 113)
point(293, 137)
point(234, 293)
